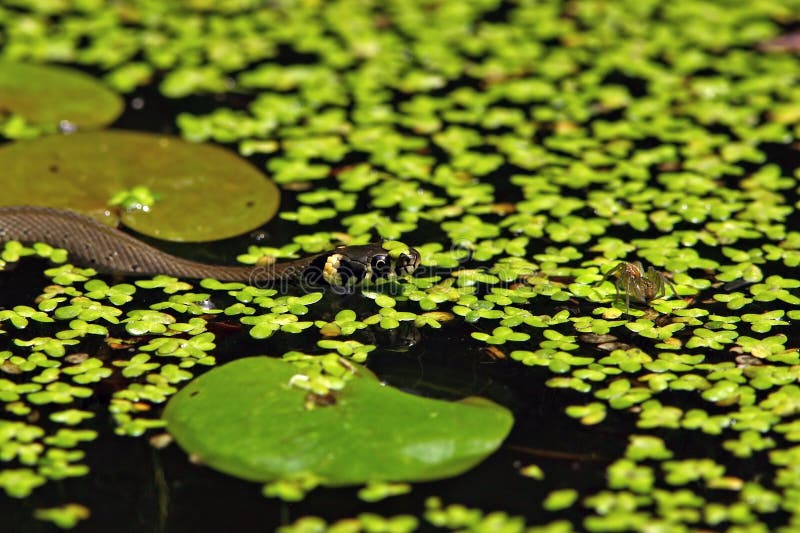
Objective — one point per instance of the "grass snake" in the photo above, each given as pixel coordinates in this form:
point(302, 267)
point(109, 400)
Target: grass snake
point(109, 250)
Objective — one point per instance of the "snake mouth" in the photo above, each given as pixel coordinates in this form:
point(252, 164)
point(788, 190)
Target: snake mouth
point(405, 270)
point(407, 263)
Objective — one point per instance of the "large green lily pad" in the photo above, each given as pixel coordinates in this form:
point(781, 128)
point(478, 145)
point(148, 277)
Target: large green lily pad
point(45, 95)
point(206, 192)
point(244, 419)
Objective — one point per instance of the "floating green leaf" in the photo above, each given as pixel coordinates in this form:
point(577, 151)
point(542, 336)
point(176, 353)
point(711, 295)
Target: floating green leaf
point(206, 192)
point(262, 430)
point(49, 96)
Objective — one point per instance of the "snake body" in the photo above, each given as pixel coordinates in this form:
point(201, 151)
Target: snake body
point(109, 250)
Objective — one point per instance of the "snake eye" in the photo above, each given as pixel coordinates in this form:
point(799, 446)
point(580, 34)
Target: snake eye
point(381, 266)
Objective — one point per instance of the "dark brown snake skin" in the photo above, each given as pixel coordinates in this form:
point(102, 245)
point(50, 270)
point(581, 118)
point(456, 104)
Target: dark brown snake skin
point(110, 250)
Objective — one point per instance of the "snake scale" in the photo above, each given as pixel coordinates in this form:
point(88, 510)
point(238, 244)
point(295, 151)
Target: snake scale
point(109, 250)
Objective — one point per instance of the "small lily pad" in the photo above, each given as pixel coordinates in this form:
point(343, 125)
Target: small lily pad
point(206, 192)
point(47, 95)
point(244, 419)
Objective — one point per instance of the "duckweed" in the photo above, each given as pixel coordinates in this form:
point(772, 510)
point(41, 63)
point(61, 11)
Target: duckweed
point(560, 499)
point(64, 516)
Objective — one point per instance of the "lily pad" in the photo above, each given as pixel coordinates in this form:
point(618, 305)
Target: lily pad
point(244, 419)
point(47, 95)
point(205, 192)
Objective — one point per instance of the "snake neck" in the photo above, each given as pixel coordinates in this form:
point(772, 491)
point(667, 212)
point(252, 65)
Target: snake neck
point(306, 270)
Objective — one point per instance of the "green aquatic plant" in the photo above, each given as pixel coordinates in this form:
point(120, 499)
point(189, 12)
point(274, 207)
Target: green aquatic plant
point(139, 197)
point(181, 175)
point(48, 98)
point(264, 455)
point(64, 516)
point(526, 147)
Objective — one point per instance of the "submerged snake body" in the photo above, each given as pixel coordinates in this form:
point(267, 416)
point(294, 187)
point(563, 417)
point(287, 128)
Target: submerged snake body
point(109, 250)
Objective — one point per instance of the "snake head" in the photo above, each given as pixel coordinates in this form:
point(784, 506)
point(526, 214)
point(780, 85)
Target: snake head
point(351, 265)
point(383, 265)
point(401, 258)
point(406, 262)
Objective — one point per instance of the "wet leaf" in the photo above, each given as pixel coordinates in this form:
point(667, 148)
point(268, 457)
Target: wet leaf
point(47, 95)
point(262, 431)
point(206, 192)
